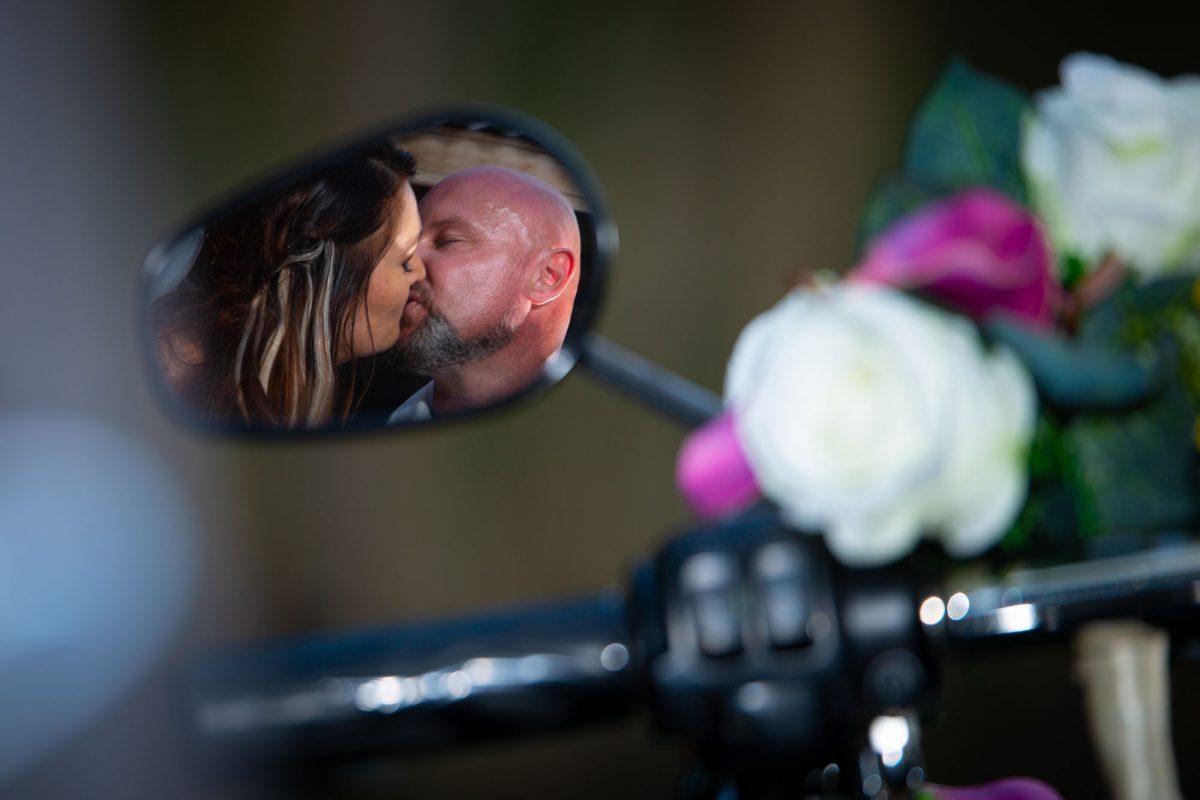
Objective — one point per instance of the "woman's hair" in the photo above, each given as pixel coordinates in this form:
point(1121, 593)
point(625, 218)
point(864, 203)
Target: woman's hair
point(272, 298)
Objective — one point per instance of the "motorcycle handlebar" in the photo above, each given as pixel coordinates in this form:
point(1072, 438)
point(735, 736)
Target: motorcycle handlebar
point(746, 638)
point(419, 686)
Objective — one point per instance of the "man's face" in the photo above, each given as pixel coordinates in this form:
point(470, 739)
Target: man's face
point(476, 248)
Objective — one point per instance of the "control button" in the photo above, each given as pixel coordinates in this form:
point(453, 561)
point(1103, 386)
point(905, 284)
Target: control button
point(781, 575)
point(709, 586)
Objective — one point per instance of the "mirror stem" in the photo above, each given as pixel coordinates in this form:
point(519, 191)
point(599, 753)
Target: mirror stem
point(662, 390)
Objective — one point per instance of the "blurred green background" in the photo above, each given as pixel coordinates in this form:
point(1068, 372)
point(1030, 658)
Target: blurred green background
point(736, 144)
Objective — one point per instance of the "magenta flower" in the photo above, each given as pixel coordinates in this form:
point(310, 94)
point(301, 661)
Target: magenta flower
point(977, 251)
point(1008, 789)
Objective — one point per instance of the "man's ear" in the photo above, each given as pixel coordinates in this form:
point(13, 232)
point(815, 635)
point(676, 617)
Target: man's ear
point(553, 276)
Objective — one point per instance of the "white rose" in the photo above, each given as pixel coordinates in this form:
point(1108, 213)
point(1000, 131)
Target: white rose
point(860, 409)
point(1113, 162)
point(983, 483)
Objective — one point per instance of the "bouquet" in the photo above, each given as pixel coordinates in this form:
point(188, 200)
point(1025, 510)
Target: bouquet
point(1013, 365)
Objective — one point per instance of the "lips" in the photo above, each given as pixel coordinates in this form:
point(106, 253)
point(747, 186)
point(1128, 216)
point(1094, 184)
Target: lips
point(414, 310)
point(419, 293)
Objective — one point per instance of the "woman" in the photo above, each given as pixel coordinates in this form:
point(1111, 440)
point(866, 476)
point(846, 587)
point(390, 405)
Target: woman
point(284, 292)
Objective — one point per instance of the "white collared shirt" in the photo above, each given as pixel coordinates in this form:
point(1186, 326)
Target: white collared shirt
point(418, 408)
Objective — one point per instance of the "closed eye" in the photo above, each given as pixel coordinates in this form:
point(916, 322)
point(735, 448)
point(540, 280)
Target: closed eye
point(404, 265)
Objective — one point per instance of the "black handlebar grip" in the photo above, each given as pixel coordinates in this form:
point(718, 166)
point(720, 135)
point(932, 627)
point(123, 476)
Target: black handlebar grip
point(418, 686)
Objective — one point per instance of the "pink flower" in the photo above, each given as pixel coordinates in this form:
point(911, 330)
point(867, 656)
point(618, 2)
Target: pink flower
point(977, 251)
point(1008, 789)
point(712, 472)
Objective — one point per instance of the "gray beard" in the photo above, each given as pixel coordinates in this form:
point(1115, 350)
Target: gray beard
point(436, 347)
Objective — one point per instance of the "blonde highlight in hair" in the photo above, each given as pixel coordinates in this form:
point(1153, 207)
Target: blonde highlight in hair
point(295, 370)
point(274, 291)
point(321, 402)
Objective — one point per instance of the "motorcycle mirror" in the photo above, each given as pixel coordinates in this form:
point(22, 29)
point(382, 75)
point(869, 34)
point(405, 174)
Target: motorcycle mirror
point(445, 266)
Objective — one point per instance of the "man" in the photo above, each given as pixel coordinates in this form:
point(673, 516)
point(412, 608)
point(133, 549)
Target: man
point(501, 256)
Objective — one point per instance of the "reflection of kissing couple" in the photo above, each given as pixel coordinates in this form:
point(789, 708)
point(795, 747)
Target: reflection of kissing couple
point(472, 289)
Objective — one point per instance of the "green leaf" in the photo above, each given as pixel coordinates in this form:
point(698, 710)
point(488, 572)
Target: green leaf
point(1137, 315)
point(967, 132)
point(1079, 375)
point(1141, 467)
point(1061, 511)
point(1073, 269)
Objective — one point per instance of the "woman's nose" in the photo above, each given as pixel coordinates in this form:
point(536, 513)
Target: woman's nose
point(417, 267)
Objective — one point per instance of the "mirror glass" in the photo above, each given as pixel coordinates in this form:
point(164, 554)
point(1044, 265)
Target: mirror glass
point(442, 267)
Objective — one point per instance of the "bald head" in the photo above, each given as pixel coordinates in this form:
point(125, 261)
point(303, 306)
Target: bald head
point(501, 255)
point(501, 196)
